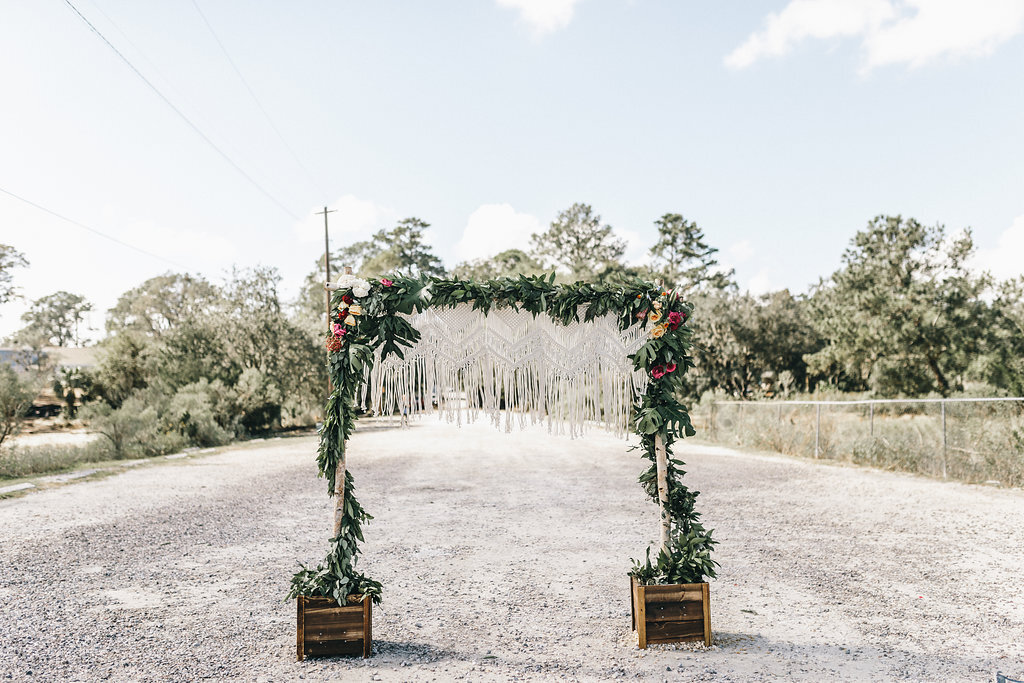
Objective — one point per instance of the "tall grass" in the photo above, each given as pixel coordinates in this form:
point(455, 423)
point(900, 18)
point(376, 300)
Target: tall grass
point(984, 441)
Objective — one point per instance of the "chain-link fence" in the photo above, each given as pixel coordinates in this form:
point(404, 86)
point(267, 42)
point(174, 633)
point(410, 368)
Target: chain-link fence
point(970, 439)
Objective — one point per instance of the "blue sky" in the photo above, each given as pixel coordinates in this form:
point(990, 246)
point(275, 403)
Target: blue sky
point(780, 127)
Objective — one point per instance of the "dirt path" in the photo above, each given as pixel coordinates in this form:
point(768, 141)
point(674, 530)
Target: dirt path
point(503, 557)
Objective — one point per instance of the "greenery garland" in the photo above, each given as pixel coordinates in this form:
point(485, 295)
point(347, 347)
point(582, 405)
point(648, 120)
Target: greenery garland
point(366, 316)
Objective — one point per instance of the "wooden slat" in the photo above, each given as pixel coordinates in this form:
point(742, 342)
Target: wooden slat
point(367, 627)
point(658, 640)
point(336, 616)
point(707, 615)
point(322, 634)
point(677, 593)
point(680, 611)
point(299, 654)
point(641, 616)
point(334, 647)
point(674, 629)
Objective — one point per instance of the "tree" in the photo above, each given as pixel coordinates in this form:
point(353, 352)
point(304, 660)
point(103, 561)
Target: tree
point(904, 313)
point(402, 250)
point(1002, 362)
point(398, 250)
point(510, 262)
point(683, 259)
point(161, 303)
point(54, 319)
point(16, 395)
point(578, 243)
point(10, 258)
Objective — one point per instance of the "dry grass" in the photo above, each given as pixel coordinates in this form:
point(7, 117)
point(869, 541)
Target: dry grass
point(984, 442)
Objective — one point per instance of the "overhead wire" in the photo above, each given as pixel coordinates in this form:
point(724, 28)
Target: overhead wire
point(92, 229)
point(252, 93)
point(185, 118)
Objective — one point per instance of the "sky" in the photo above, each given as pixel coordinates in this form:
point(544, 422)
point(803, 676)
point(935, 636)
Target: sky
point(781, 127)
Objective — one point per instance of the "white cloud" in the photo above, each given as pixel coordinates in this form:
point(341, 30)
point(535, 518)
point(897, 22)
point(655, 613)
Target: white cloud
point(542, 16)
point(1004, 260)
point(944, 28)
point(493, 228)
point(354, 218)
point(910, 32)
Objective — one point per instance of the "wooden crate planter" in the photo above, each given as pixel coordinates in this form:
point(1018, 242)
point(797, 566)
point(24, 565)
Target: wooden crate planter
point(324, 629)
point(673, 613)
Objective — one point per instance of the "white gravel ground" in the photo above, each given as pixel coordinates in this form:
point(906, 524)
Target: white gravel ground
point(504, 557)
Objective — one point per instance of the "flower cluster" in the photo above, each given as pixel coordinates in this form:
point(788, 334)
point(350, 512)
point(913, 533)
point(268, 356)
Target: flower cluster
point(344, 316)
point(663, 320)
point(359, 286)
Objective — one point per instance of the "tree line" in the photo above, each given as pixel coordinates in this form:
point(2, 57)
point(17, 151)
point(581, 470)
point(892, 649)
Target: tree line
point(186, 360)
point(904, 315)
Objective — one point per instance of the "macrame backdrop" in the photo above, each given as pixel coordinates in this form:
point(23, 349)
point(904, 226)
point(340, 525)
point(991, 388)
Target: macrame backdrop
point(514, 368)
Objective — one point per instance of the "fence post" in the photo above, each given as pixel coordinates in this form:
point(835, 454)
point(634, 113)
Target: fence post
point(872, 412)
point(943, 404)
point(817, 433)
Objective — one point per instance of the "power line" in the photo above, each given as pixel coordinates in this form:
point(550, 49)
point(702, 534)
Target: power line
point(92, 230)
point(252, 94)
point(184, 118)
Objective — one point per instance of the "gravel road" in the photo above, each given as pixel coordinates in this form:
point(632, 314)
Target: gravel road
point(503, 557)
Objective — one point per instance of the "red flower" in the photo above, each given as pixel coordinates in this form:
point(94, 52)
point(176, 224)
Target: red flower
point(334, 344)
point(658, 371)
point(675, 319)
point(346, 298)
point(386, 282)
point(671, 367)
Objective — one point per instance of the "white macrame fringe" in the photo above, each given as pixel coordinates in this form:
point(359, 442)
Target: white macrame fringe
point(514, 368)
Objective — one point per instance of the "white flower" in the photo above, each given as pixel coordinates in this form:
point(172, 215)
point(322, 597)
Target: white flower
point(358, 286)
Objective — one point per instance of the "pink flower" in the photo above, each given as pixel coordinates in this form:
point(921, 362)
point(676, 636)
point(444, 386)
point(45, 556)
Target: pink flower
point(671, 367)
point(641, 315)
point(675, 319)
point(386, 282)
point(658, 371)
point(338, 330)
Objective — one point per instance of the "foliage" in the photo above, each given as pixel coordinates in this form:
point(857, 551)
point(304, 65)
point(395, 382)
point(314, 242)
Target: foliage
point(684, 260)
point(133, 429)
point(748, 346)
point(363, 321)
point(161, 304)
point(10, 258)
point(508, 263)
point(54, 319)
point(901, 316)
point(336, 577)
point(577, 242)
point(16, 395)
point(71, 386)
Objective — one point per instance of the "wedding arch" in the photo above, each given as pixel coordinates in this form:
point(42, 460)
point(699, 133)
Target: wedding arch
point(516, 350)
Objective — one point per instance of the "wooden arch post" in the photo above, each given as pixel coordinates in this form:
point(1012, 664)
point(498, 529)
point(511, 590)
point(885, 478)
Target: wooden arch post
point(661, 461)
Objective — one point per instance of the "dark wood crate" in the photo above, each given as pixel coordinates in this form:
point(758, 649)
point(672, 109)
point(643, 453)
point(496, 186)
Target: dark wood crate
point(324, 629)
point(674, 613)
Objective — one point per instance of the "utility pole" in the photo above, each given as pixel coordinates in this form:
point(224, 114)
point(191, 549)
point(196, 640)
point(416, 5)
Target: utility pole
point(327, 262)
point(327, 292)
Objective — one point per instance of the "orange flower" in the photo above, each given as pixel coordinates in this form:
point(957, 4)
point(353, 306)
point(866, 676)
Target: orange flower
point(654, 316)
point(657, 331)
